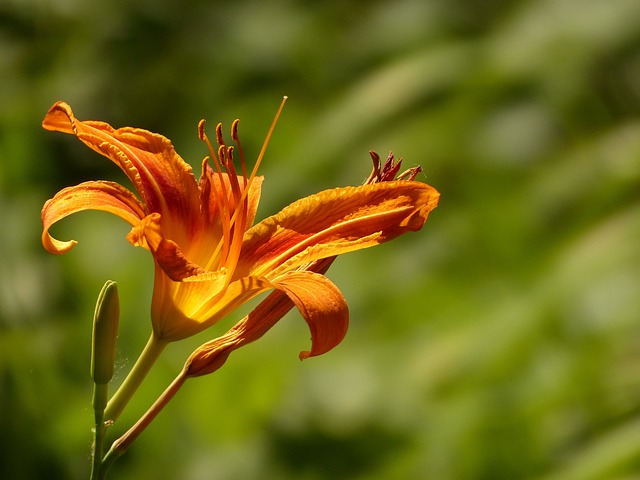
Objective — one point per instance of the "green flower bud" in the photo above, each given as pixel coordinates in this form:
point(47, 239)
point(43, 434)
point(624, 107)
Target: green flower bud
point(105, 332)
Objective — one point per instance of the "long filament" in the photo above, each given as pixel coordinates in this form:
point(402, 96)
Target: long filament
point(264, 146)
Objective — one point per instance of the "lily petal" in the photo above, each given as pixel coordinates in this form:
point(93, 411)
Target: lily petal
point(334, 222)
point(163, 179)
point(328, 324)
point(99, 195)
point(210, 356)
point(321, 304)
point(169, 256)
point(182, 309)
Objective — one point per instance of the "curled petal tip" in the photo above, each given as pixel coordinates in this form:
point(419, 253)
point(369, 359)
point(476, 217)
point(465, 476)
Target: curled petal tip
point(56, 247)
point(321, 304)
point(304, 355)
point(59, 118)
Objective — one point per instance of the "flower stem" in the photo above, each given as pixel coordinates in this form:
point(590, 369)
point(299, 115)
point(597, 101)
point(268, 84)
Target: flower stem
point(100, 392)
point(145, 361)
point(124, 442)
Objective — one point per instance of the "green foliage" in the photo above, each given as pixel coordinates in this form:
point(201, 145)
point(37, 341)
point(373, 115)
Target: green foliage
point(502, 341)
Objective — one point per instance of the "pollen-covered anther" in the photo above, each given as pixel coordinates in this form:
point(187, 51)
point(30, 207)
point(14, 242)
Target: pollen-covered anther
point(410, 174)
point(389, 171)
point(231, 168)
point(376, 160)
point(390, 168)
point(222, 155)
point(374, 176)
point(234, 130)
point(201, 134)
point(219, 137)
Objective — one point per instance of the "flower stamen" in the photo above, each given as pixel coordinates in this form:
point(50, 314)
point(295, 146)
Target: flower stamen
point(221, 198)
point(242, 198)
point(389, 171)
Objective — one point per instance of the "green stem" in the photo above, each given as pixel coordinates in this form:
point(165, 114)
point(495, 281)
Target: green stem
point(122, 444)
point(100, 393)
point(145, 361)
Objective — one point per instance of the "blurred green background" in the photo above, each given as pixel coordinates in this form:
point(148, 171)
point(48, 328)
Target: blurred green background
point(500, 342)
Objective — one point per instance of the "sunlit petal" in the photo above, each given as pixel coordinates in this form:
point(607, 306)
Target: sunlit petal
point(335, 222)
point(319, 301)
point(165, 181)
point(212, 355)
point(149, 234)
point(184, 309)
point(321, 304)
point(105, 196)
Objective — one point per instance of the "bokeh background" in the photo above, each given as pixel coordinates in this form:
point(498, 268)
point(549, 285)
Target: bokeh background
point(500, 342)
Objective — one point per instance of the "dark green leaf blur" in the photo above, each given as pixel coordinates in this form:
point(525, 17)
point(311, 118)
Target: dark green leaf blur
point(500, 342)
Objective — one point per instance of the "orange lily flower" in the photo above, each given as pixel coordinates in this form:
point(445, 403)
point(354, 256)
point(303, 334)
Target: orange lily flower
point(209, 357)
point(209, 257)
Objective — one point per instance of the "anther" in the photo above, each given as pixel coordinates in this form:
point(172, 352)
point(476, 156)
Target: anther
point(222, 155)
point(219, 137)
point(234, 130)
point(410, 174)
point(201, 135)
